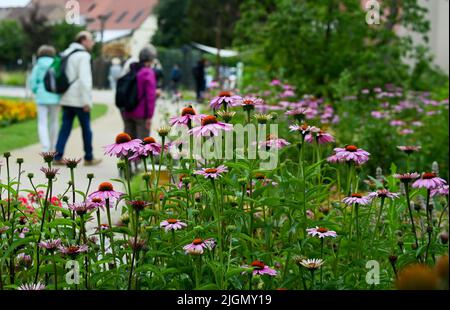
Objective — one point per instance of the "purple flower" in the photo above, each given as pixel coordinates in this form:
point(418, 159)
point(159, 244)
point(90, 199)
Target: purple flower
point(429, 181)
point(383, 193)
point(406, 177)
point(409, 149)
point(188, 116)
point(259, 268)
point(32, 287)
point(73, 250)
point(105, 191)
point(123, 146)
point(356, 198)
point(196, 247)
point(212, 173)
point(149, 147)
point(274, 142)
point(440, 191)
point(225, 98)
point(82, 208)
point(50, 245)
point(322, 137)
point(172, 224)
point(351, 153)
point(210, 127)
point(321, 232)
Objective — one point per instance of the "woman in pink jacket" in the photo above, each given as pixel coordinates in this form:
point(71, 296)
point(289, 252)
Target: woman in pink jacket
point(138, 122)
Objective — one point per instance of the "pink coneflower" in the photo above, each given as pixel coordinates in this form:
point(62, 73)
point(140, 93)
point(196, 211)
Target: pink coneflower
point(406, 177)
point(397, 123)
point(440, 191)
point(225, 98)
point(196, 247)
point(136, 243)
point(322, 137)
point(356, 198)
point(73, 250)
point(24, 260)
point(333, 159)
point(383, 193)
point(409, 149)
point(149, 147)
point(287, 93)
point(32, 287)
point(188, 115)
point(429, 180)
point(96, 202)
point(303, 129)
point(50, 173)
point(81, 208)
point(172, 224)
point(406, 131)
point(321, 232)
point(299, 113)
point(123, 146)
point(210, 127)
point(274, 142)
point(105, 191)
point(365, 91)
point(50, 245)
point(352, 153)
point(249, 103)
point(259, 268)
point(275, 82)
point(212, 173)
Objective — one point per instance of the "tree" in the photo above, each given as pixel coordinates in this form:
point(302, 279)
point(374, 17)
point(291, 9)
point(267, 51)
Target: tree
point(316, 44)
point(172, 23)
point(11, 41)
point(63, 34)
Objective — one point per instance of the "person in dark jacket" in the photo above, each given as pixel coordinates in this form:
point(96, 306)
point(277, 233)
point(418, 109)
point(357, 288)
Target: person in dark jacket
point(137, 123)
point(200, 79)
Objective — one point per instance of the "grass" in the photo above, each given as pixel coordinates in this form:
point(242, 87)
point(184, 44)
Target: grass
point(13, 78)
point(26, 133)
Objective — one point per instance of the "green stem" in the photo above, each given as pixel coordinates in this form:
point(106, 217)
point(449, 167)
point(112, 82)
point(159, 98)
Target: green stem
point(379, 214)
point(134, 250)
point(410, 214)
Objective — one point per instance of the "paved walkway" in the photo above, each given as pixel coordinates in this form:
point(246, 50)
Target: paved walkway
point(105, 129)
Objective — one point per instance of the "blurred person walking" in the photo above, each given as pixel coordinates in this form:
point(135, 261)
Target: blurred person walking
point(47, 103)
point(137, 123)
point(77, 100)
point(115, 71)
point(200, 79)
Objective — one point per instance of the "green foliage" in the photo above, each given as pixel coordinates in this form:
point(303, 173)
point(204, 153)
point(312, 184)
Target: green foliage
point(313, 43)
point(11, 41)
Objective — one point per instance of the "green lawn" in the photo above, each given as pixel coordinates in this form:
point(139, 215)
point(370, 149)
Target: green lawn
point(25, 133)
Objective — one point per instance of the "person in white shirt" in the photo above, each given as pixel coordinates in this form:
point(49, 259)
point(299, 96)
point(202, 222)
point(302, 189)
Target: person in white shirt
point(77, 100)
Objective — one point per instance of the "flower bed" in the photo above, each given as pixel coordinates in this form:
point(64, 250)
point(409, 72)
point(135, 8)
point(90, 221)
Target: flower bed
point(295, 208)
point(13, 111)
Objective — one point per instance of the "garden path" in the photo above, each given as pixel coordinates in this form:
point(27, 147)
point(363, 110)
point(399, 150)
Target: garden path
point(104, 129)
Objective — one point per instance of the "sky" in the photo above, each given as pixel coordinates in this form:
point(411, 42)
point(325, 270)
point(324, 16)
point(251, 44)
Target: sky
point(8, 3)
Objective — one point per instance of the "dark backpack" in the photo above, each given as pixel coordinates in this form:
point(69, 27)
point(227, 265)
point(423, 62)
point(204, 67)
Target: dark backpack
point(55, 79)
point(127, 92)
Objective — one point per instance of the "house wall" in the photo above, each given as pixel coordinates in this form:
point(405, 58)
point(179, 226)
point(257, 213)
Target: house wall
point(143, 35)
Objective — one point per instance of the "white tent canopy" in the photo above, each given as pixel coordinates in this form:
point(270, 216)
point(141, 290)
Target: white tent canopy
point(213, 50)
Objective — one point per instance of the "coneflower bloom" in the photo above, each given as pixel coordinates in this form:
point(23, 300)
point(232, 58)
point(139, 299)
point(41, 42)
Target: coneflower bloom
point(299, 113)
point(105, 191)
point(32, 287)
point(312, 264)
point(136, 243)
point(259, 268)
point(81, 208)
point(210, 126)
point(351, 153)
point(225, 98)
point(409, 149)
point(97, 202)
point(406, 177)
point(429, 180)
point(50, 245)
point(24, 260)
point(249, 103)
point(139, 205)
point(356, 198)
point(334, 159)
point(72, 162)
point(440, 191)
point(196, 247)
point(48, 156)
point(188, 116)
point(149, 147)
point(273, 142)
point(304, 129)
point(383, 193)
point(73, 250)
point(172, 224)
point(322, 137)
point(321, 232)
point(212, 173)
point(123, 146)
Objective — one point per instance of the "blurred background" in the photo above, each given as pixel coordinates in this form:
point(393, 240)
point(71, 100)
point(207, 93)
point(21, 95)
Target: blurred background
point(316, 45)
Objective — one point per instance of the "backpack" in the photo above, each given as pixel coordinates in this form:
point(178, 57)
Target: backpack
point(126, 92)
point(55, 79)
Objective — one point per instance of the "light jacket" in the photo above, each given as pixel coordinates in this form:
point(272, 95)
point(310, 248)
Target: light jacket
point(37, 82)
point(79, 73)
point(146, 87)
